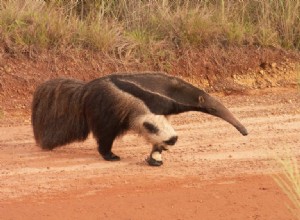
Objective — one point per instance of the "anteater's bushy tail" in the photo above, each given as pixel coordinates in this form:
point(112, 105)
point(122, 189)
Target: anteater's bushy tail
point(58, 113)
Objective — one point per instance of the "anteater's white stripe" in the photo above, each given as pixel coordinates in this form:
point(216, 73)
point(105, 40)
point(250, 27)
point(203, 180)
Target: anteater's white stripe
point(137, 84)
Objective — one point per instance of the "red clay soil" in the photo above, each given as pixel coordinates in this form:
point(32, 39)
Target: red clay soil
point(213, 172)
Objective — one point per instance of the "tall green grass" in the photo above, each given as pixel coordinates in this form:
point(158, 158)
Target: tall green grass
point(146, 29)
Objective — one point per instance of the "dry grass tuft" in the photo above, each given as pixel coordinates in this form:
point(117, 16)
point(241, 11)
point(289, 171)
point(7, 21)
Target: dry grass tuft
point(289, 182)
point(150, 31)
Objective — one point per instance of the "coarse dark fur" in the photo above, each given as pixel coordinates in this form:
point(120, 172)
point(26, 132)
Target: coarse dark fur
point(66, 110)
point(58, 116)
point(167, 95)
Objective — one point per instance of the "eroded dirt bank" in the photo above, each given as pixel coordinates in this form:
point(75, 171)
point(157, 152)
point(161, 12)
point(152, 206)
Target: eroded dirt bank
point(231, 70)
point(211, 173)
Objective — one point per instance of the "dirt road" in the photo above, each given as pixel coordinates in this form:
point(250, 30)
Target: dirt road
point(212, 172)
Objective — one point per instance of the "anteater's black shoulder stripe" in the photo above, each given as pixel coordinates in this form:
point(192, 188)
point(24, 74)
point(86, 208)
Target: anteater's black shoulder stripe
point(169, 86)
point(156, 103)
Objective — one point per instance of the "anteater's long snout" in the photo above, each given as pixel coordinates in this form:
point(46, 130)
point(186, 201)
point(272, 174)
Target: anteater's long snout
point(228, 116)
point(216, 108)
point(243, 130)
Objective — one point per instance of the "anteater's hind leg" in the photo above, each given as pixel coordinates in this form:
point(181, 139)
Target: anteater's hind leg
point(105, 143)
point(105, 133)
point(104, 148)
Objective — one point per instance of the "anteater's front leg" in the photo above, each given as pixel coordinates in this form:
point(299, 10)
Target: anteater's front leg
point(155, 158)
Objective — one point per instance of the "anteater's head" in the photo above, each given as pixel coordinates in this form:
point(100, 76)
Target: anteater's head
point(157, 130)
point(212, 106)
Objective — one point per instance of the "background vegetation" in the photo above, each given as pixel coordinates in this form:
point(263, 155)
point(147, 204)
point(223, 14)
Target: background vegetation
point(146, 29)
point(289, 182)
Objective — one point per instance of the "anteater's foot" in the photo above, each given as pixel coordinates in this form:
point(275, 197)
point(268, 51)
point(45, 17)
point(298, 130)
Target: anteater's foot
point(155, 159)
point(111, 157)
point(153, 162)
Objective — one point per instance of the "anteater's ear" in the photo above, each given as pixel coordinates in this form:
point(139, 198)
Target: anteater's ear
point(201, 100)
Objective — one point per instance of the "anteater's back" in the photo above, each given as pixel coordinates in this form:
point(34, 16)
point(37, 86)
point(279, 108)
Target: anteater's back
point(57, 113)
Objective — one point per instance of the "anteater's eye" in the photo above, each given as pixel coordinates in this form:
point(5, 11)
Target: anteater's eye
point(151, 127)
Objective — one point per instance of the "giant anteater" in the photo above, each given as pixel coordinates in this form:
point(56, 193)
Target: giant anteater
point(66, 110)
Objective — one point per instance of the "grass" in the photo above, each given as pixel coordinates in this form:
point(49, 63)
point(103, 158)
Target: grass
point(289, 182)
point(32, 26)
point(142, 29)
